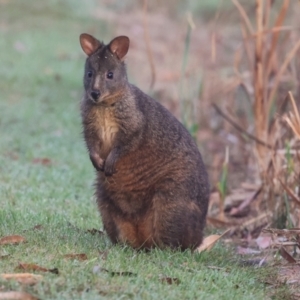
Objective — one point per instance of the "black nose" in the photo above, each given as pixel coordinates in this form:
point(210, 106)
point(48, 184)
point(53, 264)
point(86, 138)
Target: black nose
point(95, 94)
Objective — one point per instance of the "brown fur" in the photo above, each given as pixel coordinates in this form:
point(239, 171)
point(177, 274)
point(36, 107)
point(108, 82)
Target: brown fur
point(151, 187)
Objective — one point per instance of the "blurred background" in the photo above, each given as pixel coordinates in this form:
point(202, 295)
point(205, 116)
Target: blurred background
point(224, 68)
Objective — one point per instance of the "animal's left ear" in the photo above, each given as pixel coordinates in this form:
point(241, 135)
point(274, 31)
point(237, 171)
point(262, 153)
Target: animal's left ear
point(119, 46)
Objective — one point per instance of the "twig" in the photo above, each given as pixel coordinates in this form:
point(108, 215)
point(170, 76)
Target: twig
point(239, 128)
point(148, 47)
point(275, 37)
point(259, 104)
point(284, 66)
point(243, 15)
point(236, 210)
point(289, 192)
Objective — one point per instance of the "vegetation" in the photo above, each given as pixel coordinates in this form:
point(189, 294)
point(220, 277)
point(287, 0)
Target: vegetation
point(203, 73)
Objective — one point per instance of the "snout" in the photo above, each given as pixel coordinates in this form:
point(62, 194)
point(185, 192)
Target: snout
point(95, 95)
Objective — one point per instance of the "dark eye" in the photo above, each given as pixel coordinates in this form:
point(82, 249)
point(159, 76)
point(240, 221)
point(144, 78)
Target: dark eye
point(89, 74)
point(110, 75)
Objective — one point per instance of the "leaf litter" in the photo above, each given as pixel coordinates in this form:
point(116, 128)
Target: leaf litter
point(12, 239)
point(98, 269)
point(78, 256)
point(44, 161)
point(34, 267)
point(16, 295)
point(36, 227)
point(24, 278)
point(169, 280)
point(210, 241)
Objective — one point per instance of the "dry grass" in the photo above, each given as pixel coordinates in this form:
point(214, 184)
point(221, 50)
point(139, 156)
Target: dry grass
point(266, 68)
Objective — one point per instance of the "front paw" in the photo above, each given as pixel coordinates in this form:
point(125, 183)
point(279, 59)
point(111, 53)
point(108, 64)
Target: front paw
point(109, 168)
point(97, 162)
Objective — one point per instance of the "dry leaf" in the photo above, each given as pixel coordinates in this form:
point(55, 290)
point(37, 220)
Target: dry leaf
point(170, 280)
point(42, 161)
point(98, 269)
point(103, 254)
point(25, 278)
point(215, 222)
point(79, 256)
point(289, 274)
point(36, 227)
point(253, 262)
point(13, 295)
point(264, 241)
point(95, 231)
point(124, 273)
point(245, 251)
point(287, 256)
point(12, 239)
point(34, 267)
point(210, 241)
point(290, 192)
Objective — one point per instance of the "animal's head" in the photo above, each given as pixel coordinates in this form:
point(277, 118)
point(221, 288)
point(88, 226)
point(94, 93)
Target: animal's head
point(105, 72)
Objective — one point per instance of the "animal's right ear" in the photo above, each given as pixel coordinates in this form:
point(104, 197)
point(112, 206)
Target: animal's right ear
point(89, 44)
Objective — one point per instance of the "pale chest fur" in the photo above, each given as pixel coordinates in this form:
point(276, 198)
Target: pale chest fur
point(106, 130)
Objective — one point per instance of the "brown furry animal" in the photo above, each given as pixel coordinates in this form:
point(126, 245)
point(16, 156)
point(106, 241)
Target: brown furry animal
point(152, 187)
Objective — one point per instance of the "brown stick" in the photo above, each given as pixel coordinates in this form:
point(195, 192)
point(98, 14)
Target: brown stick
point(259, 104)
point(275, 37)
point(148, 47)
point(282, 69)
point(235, 211)
point(239, 128)
point(243, 15)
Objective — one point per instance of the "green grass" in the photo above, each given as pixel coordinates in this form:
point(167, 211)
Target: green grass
point(40, 89)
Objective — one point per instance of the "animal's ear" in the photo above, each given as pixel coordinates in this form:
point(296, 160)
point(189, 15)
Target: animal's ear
point(89, 44)
point(119, 46)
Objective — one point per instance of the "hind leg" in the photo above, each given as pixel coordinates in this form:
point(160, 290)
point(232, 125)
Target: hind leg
point(108, 222)
point(119, 228)
point(178, 222)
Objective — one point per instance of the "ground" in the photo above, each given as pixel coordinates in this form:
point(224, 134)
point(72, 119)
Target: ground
point(46, 178)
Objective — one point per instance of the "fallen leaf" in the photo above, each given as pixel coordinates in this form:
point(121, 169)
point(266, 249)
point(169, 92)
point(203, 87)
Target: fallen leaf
point(242, 208)
point(98, 269)
point(215, 222)
point(36, 227)
point(290, 192)
point(103, 254)
point(25, 278)
point(282, 232)
point(264, 241)
point(289, 274)
point(12, 239)
point(210, 241)
point(170, 280)
point(287, 256)
point(124, 273)
point(253, 262)
point(243, 251)
point(249, 186)
point(79, 256)
point(95, 231)
point(42, 161)
point(34, 267)
point(13, 295)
